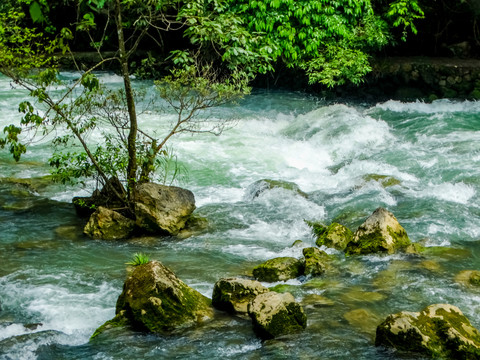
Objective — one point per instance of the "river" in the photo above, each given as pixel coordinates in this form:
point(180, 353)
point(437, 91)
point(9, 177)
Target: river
point(419, 160)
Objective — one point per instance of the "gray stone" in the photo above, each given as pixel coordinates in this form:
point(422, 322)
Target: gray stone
point(279, 269)
point(107, 224)
point(438, 331)
point(161, 208)
point(234, 294)
point(275, 314)
point(381, 232)
point(154, 299)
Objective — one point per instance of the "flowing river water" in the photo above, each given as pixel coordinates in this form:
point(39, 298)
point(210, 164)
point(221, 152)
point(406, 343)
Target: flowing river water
point(420, 161)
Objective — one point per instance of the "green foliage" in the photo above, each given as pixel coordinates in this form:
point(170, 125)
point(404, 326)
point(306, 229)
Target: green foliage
point(138, 259)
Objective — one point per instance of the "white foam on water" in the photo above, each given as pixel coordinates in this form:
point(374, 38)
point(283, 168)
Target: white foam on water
point(437, 106)
point(453, 192)
point(237, 350)
point(57, 305)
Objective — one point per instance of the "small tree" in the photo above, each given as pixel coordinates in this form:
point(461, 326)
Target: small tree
point(126, 152)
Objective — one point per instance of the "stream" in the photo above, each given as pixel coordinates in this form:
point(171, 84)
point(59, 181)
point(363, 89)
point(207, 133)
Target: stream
point(419, 160)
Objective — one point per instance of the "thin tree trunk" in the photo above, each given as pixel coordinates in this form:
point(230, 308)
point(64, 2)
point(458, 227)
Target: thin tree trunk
point(132, 114)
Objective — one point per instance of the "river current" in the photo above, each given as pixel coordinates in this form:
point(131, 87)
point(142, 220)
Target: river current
point(419, 160)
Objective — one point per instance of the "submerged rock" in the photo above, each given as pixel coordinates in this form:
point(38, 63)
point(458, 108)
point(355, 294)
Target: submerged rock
point(275, 314)
point(107, 224)
point(260, 186)
point(334, 236)
point(155, 300)
point(234, 294)
point(363, 319)
point(439, 331)
point(161, 208)
point(384, 180)
point(381, 232)
point(279, 269)
point(469, 278)
point(315, 261)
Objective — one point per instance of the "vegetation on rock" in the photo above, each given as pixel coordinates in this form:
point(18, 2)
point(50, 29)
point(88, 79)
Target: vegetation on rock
point(279, 269)
point(439, 331)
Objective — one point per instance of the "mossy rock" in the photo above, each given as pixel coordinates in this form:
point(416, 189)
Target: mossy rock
point(155, 300)
point(260, 186)
point(438, 331)
point(279, 269)
point(380, 233)
point(274, 314)
point(315, 261)
point(234, 294)
point(384, 180)
point(363, 319)
point(334, 236)
point(469, 278)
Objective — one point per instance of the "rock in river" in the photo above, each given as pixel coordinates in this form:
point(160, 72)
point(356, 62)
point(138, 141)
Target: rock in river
point(161, 208)
point(438, 331)
point(275, 314)
point(108, 225)
point(234, 294)
point(279, 269)
point(381, 232)
point(154, 299)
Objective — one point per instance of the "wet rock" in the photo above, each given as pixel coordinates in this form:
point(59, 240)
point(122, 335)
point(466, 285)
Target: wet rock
point(381, 232)
point(234, 294)
point(315, 261)
point(334, 236)
point(260, 186)
point(360, 295)
point(384, 180)
point(363, 319)
point(439, 331)
point(107, 224)
point(161, 208)
point(297, 244)
point(315, 300)
point(469, 278)
point(195, 225)
point(154, 299)
point(279, 269)
point(275, 314)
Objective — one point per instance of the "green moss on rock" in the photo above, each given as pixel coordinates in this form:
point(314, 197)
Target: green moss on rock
point(315, 261)
point(234, 294)
point(155, 300)
point(381, 232)
point(439, 331)
point(334, 236)
point(275, 314)
point(279, 269)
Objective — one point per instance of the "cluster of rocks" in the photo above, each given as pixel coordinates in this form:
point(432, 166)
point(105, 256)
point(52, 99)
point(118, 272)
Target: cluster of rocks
point(154, 299)
point(158, 209)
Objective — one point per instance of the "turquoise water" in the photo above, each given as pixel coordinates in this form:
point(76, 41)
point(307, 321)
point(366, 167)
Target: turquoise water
point(57, 286)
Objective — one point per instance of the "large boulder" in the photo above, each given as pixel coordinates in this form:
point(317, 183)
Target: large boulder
point(438, 331)
point(107, 224)
point(279, 269)
point(381, 232)
point(275, 314)
point(234, 294)
point(161, 208)
point(334, 236)
point(155, 300)
point(315, 261)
